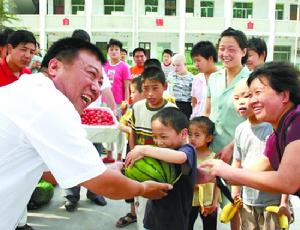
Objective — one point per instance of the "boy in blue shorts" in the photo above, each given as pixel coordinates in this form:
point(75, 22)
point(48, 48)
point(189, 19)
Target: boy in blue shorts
point(170, 132)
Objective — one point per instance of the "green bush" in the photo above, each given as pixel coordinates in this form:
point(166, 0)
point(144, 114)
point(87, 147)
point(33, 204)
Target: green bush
point(192, 69)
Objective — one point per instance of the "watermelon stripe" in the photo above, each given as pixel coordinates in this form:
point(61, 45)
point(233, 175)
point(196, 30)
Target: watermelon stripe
point(143, 172)
point(153, 166)
point(162, 168)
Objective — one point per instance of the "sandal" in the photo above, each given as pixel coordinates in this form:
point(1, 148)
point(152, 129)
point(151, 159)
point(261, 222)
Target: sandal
point(126, 220)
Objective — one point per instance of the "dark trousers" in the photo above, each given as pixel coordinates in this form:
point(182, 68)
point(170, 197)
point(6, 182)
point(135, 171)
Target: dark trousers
point(185, 107)
point(209, 222)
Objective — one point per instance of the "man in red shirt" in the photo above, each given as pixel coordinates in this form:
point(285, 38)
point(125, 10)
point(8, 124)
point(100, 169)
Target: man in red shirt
point(21, 46)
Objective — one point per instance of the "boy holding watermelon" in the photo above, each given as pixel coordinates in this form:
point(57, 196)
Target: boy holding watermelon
point(153, 85)
point(169, 127)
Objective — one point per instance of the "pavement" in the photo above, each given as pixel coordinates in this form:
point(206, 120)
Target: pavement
point(89, 216)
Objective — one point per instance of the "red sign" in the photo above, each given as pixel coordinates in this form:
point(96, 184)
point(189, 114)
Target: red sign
point(250, 25)
point(66, 22)
point(159, 22)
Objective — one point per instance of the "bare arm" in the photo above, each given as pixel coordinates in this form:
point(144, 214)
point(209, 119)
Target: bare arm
point(126, 88)
point(110, 100)
point(114, 185)
point(194, 101)
point(285, 180)
point(165, 154)
point(236, 190)
point(207, 107)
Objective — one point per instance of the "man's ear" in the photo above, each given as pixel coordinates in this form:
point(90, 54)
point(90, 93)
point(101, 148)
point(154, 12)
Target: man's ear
point(165, 86)
point(285, 97)
point(9, 48)
point(53, 65)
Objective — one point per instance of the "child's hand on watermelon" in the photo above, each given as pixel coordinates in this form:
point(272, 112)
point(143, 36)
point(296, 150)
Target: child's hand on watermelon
point(135, 154)
point(155, 190)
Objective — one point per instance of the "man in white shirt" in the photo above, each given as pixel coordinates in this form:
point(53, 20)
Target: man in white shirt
point(41, 130)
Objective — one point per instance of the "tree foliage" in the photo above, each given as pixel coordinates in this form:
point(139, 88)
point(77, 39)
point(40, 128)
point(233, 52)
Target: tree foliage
point(6, 16)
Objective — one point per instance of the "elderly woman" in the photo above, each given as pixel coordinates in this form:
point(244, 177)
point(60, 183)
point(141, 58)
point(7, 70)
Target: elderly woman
point(275, 98)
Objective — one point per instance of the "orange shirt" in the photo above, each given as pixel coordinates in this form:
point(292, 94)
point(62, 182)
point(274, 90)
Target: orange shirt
point(136, 71)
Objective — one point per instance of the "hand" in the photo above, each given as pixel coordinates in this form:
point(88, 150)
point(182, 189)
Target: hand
point(208, 210)
point(155, 190)
point(217, 168)
point(284, 210)
point(225, 154)
point(135, 154)
point(204, 176)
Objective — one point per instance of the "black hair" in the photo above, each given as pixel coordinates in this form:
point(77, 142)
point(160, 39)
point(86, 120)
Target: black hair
point(240, 38)
point(205, 123)
point(258, 45)
point(153, 73)
point(172, 117)
point(137, 81)
point(4, 35)
point(114, 42)
point(205, 49)
point(21, 36)
point(82, 34)
point(167, 51)
point(152, 62)
point(282, 76)
point(124, 50)
point(138, 49)
point(67, 49)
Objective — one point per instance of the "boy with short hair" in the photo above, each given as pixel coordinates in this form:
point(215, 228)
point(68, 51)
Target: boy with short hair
point(153, 85)
point(170, 132)
point(249, 145)
point(166, 64)
point(205, 57)
point(257, 52)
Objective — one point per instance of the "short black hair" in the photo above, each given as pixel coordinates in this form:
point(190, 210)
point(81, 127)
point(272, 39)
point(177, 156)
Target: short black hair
point(240, 38)
point(153, 73)
point(282, 76)
point(205, 123)
point(4, 35)
point(68, 49)
point(205, 49)
point(82, 34)
point(21, 36)
point(152, 62)
point(167, 51)
point(137, 81)
point(138, 49)
point(114, 42)
point(258, 45)
point(124, 50)
point(172, 117)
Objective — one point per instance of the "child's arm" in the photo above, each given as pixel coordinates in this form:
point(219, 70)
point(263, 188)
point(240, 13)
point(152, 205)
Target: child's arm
point(126, 88)
point(165, 154)
point(208, 210)
point(194, 101)
point(236, 190)
point(124, 128)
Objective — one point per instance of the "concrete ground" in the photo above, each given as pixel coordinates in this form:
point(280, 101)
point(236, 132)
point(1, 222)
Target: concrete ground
point(92, 217)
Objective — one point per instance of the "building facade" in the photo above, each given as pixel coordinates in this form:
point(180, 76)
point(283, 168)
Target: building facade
point(159, 24)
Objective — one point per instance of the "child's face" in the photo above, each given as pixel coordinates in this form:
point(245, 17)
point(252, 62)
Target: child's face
point(123, 56)
point(179, 66)
point(114, 52)
point(241, 98)
point(230, 53)
point(254, 59)
point(198, 136)
point(167, 59)
point(167, 137)
point(135, 95)
point(201, 63)
point(153, 91)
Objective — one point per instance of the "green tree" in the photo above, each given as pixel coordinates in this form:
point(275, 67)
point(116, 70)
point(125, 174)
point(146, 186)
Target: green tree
point(6, 16)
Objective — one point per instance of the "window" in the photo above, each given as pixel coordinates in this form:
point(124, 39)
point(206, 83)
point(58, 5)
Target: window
point(170, 7)
point(242, 9)
point(59, 7)
point(188, 48)
point(147, 47)
point(293, 12)
point(206, 9)
point(77, 5)
point(282, 53)
point(151, 5)
point(189, 8)
point(113, 5)
point(279, 12)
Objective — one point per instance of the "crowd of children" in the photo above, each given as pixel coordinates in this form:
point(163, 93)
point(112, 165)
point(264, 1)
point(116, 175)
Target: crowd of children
point(189, 119)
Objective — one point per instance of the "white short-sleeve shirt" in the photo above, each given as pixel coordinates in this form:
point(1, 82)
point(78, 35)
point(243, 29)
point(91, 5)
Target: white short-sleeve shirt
point(40, 129)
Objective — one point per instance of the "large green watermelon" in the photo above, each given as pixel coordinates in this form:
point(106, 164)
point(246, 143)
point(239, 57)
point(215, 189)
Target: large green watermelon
point(148, 168)
point(42, 195)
